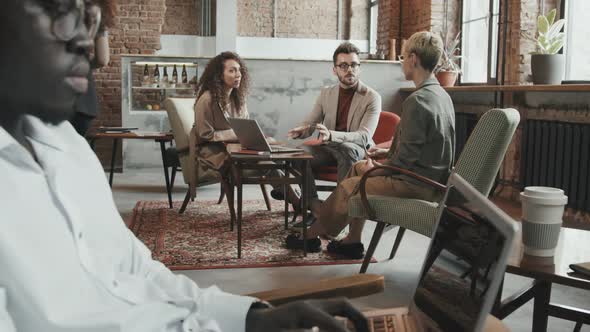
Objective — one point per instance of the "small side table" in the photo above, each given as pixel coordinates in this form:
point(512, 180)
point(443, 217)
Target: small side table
point(282, 161)
point(160, 137)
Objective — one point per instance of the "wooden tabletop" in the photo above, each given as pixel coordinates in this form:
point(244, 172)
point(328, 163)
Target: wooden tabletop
point(233, 147)
point(573, 247)
point(136, 135)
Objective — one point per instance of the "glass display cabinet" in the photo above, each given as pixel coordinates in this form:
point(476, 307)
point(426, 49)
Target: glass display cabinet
point(149, 80)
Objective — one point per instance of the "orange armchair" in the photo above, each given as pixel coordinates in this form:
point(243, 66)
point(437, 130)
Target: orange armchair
point(382, 137)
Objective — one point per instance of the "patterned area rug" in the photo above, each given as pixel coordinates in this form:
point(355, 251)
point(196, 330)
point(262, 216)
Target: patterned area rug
point(200, 237)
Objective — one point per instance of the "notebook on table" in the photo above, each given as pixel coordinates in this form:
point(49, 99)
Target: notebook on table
point(251, 137)
point(462, 270)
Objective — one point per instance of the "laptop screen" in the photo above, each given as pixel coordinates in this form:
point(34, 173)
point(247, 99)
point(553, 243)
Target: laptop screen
point(459, 268)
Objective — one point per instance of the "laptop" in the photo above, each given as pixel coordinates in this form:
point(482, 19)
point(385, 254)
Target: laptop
point(251, 137)
point(462, 270)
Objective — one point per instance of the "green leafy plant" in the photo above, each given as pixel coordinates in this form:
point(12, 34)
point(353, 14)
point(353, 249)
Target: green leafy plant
point(451, 56)
point(550, 39)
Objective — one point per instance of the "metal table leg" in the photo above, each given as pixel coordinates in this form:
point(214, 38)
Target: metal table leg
point(239, 217)
point(113, 155)
point(540, 314)
point(304, 196)
point(166, 176)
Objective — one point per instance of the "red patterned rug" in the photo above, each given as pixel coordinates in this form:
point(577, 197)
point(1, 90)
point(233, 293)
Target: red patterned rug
point(200, 237)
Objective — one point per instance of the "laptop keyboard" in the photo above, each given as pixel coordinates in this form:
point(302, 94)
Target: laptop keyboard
point(278, 148)
point(382, 324)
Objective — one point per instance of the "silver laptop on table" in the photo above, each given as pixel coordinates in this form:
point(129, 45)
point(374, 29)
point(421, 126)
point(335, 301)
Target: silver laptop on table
point(251, 137)
point(462, 270)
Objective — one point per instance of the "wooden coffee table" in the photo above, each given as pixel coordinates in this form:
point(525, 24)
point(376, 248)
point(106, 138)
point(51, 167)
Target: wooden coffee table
point(160, 137)
point(573, 247)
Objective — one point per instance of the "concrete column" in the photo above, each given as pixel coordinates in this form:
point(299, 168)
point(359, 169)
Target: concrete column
point(226, 26)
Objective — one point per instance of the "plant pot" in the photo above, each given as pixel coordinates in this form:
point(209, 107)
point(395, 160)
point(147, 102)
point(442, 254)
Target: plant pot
point(547, 68)
point(446, 78)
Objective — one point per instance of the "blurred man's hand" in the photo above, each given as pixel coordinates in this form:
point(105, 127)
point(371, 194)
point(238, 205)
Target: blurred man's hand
point(297, 131)
point(317, 314)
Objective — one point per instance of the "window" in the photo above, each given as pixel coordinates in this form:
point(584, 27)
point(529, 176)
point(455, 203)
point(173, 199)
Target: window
point(373, 5)
point(577, 48)
point(479, 40)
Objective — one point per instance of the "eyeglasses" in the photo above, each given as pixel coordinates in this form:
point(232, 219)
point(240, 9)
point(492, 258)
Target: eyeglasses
point(65, 25)
point(344, 66)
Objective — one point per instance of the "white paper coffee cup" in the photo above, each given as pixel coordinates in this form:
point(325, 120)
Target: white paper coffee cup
point(542, 216)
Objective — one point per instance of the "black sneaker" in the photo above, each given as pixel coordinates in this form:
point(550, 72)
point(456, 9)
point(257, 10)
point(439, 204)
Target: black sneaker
point(294, 242)
point(349, 250)
point(277, 195)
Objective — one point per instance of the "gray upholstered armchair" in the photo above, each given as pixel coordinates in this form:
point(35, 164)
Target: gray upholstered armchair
point(181, 115)
point(479, 163)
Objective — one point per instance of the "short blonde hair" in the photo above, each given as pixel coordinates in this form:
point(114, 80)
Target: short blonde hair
point(427, 46)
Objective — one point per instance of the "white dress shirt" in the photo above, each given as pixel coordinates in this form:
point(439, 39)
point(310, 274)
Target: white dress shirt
point(69, 263)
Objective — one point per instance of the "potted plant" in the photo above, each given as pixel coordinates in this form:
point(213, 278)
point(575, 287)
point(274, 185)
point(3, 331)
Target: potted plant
point(448, 68)
point(547, 66)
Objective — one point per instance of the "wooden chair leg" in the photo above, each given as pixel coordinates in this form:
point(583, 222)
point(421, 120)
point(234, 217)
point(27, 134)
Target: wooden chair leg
point(265, 194)
point(185, 202)
point(229, 192)
point(578, 327)
point(372, 246)
point(398, 240)
point(221, 193)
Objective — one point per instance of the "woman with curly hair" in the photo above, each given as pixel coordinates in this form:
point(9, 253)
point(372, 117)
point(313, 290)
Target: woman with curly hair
point(87, 104)
point(222, 92)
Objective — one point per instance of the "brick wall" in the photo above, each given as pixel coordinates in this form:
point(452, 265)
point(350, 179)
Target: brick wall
point(137, 31)
point(303, 19)
point(357, 20)
point(183, 17)
point(255, 18)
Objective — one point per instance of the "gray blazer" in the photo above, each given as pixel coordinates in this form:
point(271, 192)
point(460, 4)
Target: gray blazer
point(362, 117)
point(424, 141)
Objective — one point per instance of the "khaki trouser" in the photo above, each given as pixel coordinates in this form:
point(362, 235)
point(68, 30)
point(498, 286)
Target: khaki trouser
point(333, 214)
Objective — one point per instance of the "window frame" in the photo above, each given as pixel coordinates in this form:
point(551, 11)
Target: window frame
point(371, 4)
point(491, 78)
point(564, 8)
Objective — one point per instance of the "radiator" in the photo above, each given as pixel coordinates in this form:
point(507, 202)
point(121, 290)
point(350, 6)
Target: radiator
point(557, 154)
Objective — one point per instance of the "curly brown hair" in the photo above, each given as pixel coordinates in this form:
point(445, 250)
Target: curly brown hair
point(109, 11)
point(212, 80)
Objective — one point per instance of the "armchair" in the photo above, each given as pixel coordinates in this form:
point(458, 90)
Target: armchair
point(181, 115)
point(479, 163)
point(382, 137)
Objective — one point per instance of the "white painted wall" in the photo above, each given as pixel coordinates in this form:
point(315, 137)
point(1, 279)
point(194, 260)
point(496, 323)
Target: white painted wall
point(186, 45)
point(292, 48)
point(226, 27)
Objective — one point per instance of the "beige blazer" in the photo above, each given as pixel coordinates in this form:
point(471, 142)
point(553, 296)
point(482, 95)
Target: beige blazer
point(211, 129)
point(362, 117)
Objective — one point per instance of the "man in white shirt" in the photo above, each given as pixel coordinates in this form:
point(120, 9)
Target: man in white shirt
point(67, 261)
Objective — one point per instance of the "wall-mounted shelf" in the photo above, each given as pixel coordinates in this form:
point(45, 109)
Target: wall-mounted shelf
point(515, 88)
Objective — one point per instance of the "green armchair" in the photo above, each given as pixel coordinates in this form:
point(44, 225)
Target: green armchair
point(479, 163)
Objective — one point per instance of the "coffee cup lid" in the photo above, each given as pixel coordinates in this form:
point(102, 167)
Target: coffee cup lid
point(544, 195)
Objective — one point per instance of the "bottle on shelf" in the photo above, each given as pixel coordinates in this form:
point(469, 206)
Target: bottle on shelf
point(146, 75)
point(184, 75)
point(174, 75)
point(157, 75)
point(165, 77)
